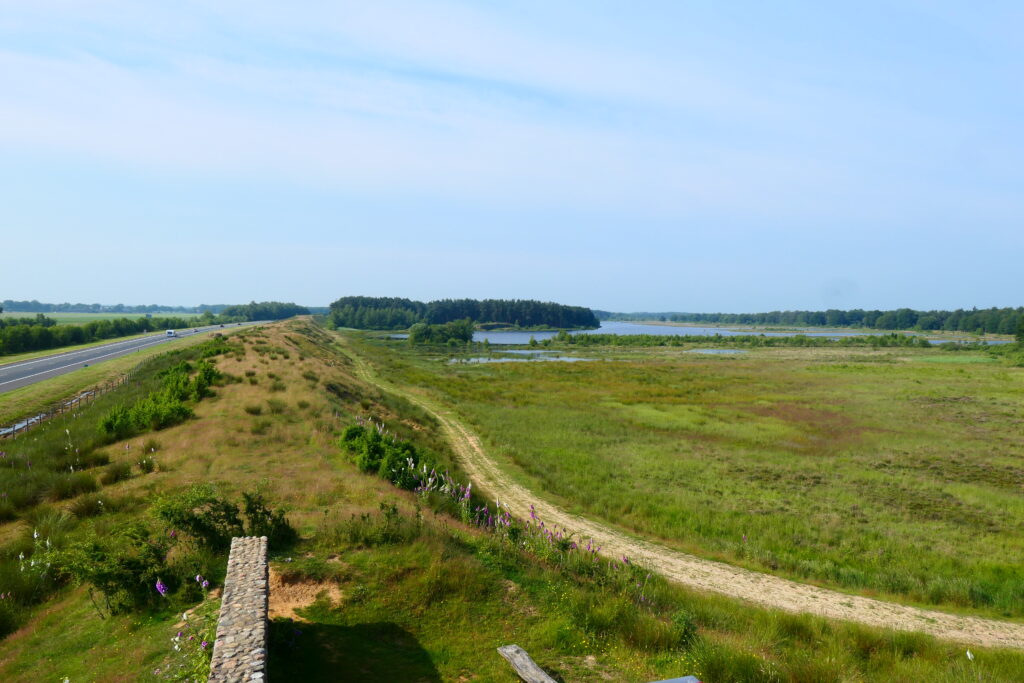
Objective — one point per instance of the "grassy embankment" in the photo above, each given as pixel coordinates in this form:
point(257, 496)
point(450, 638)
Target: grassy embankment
point(405, 594)
point(890, 472)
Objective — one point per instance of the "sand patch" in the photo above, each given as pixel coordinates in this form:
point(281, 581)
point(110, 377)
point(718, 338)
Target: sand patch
point(288, 594)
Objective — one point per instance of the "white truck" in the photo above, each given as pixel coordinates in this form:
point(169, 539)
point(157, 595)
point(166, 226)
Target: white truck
point(171, 333)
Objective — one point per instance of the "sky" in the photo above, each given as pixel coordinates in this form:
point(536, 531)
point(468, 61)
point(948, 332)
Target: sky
point(658, 156)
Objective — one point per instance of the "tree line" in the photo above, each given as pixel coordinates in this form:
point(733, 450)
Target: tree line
point(265, 310)
point(21, 335)
point(41, 333)
point(389, 313)
point(34, 306)
point(977, 321)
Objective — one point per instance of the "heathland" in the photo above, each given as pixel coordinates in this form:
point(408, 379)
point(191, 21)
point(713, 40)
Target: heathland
point(383, 582)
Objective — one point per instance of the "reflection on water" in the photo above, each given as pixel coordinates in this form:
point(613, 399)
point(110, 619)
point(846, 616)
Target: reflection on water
point(529, 359)
point(618, 327)
point(624, 328)
point(717, 352)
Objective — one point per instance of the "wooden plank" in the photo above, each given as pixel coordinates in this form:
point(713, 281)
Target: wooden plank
point(524, 666)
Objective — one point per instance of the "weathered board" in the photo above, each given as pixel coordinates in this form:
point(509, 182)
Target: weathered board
point(524, 666)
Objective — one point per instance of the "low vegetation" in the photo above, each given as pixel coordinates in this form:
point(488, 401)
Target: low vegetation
point(876, 471)
point(395, 574)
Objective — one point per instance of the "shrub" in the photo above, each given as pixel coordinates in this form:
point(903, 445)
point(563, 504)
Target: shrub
point(208, 519)
point(160, 411)
point(151, 446)
point(212, 521)
point(147, 464)
point(276, 406)
point(262, 521)
point(119, 471)
point(118, 424)
point(303, 404)
point(260, 427)
point(277, 385)
point(311, 376)
point(123, 564)
point(254, 409)
point(386, 456)
point(250, 373)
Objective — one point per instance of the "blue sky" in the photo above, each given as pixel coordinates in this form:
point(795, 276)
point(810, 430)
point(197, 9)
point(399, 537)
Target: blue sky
point(693, 156)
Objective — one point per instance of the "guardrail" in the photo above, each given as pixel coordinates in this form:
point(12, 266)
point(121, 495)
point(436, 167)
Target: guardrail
point(66, 405)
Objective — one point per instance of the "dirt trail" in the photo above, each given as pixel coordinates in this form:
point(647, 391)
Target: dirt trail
point(762, 589)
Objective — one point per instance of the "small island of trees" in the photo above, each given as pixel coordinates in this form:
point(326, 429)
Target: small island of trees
point(388, 313)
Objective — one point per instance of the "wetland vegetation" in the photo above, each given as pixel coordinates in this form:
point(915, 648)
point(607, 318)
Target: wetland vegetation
point(874, 470)
point(397, 582)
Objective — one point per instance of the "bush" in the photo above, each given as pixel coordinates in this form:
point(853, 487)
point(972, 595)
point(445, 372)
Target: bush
point(146, 464)
point(386, 456)
point(260, 427)
point(277, 385)
point(276, 406)
point(208, 519)
point(124, 565)
point(211, 521)
point(151, 446)
point(262, 521)
point(254, 409)
point(119, 471)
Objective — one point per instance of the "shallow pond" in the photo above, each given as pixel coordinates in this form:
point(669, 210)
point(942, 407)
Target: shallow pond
point(718, 352)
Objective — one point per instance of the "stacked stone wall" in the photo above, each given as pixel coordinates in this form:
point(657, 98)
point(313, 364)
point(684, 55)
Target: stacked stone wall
point(240, 649)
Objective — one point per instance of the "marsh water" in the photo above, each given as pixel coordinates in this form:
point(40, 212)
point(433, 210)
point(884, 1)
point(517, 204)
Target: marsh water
point(617, 327)
point(624, 328)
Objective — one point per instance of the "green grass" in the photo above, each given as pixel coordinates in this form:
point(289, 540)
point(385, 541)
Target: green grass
point(875, 471)
point(418, 595)
point(79, 318)
point(434, 603)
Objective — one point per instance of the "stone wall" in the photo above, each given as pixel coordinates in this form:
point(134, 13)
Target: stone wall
point(240, 650)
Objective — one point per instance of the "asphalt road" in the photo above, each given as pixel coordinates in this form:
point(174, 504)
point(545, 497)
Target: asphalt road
point(23, 373)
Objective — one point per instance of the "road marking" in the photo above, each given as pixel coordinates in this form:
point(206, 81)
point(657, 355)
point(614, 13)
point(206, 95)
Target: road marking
point(68, 354)
point(64, 367)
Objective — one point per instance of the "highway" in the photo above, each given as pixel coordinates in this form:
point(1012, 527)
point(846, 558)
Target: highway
point(23, 373)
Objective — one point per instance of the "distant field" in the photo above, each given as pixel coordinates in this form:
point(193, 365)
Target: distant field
point(79, 318)
point(884, 472)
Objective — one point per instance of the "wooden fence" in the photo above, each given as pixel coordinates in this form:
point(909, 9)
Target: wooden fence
point(67, 405)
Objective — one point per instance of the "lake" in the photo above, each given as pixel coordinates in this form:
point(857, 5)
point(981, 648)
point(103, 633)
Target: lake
point(627, 328)
point(624, 328)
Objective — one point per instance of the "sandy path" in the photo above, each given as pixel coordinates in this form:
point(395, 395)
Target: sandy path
point(762, 589)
